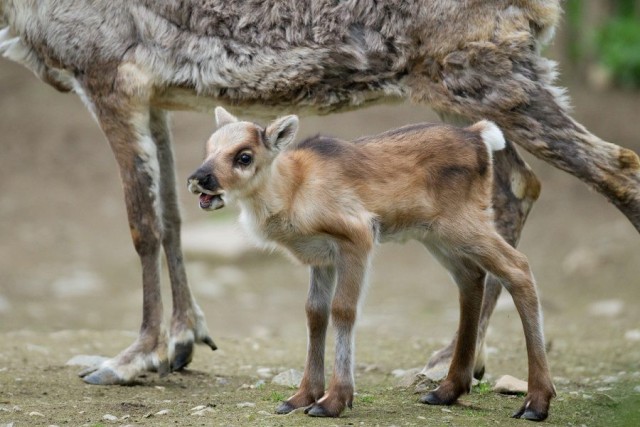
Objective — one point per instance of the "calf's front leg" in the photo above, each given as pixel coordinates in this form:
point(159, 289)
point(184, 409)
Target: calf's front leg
point(321, 287)
point(351, 269)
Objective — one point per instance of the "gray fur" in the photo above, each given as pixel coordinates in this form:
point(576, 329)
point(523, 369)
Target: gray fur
point(313, 53)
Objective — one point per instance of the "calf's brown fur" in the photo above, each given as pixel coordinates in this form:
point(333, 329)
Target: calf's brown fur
point(328, 202)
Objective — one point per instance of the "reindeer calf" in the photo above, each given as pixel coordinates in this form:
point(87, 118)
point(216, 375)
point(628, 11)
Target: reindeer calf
point(327, 202)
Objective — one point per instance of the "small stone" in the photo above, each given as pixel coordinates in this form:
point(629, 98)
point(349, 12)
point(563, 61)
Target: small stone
point(582, 260)
point(289, 378)
point(198, 408)
point(35, 414)
point(265, 413)
point(610, 379)
point(246, 405)
point(507, 384)
point(163, 412)
point(264, 373)
point(35, 348)
point(436, 373)
point(632, 335)
point(109, 417)
point(406, 378)
point(606, 308)
point(86, 360)
point(202, 412)
point(637, 389)
point(368, 367)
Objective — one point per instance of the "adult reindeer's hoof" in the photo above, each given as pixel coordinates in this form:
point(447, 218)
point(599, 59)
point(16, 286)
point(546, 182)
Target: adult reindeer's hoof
point(183, 352)
point(101, 376)
point(186, 331)
point(110, 373)
point(147, 353)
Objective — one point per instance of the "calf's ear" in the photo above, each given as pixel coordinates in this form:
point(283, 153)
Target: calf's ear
point(223, 117)
point(281, 132)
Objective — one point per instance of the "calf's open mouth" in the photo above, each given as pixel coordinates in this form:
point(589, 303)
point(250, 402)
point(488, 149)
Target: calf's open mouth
point(211, 202)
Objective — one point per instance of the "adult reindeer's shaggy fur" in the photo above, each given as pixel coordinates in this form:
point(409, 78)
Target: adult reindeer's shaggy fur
point(132, 60)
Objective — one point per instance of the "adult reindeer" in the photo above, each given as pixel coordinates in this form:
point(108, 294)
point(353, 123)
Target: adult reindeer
point(132, 60)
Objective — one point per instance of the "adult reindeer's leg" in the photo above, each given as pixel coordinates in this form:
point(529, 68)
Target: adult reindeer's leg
point(188, 325)
point(515, 189)
point(122, 110)
point(323, 281)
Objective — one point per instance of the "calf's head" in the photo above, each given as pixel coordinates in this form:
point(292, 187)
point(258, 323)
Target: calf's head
point(238, 157)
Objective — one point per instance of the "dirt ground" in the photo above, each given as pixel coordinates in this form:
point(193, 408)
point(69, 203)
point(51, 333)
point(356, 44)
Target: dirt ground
point(69, 285)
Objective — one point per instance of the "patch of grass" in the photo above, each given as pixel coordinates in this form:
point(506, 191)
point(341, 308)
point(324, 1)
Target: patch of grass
point(366, 398)
point(482, 388)
point(277, 396)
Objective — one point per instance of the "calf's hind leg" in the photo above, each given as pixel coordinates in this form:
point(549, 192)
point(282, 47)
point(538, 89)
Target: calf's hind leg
point(495, 255)
point(470, 281)
point(515, 190)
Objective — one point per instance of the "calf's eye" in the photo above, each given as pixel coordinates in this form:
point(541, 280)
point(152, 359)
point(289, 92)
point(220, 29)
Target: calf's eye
point(245, 159)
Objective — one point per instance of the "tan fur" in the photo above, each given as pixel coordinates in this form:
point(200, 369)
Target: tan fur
point(327, 202)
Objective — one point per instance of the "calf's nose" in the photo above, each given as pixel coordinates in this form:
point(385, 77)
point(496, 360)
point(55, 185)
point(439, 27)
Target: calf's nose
point(202, 178)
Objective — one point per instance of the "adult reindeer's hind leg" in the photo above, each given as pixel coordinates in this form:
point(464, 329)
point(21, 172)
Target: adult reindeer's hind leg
point(121, 107)
point(188, 324)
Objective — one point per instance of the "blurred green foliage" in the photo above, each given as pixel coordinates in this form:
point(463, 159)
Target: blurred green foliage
point(618, 49)
point(615, 44)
